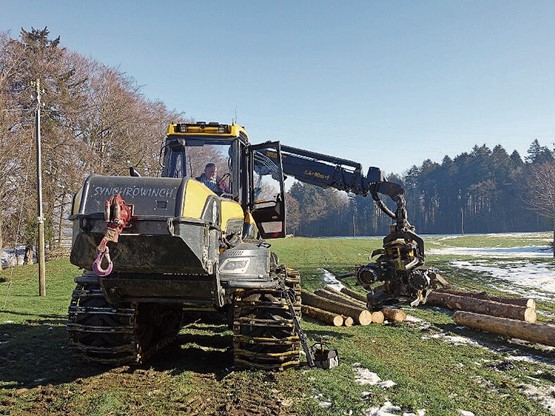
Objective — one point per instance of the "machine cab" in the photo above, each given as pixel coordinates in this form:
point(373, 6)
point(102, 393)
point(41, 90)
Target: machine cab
point(244, 174)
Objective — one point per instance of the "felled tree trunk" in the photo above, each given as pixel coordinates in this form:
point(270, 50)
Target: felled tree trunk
point(529, 303)
point(354, 295)
point(543, 334)
point(525, 302)
point(362, 317)
point(323, 316)
point(339, 297)
point(394, 314)
point(482, 306)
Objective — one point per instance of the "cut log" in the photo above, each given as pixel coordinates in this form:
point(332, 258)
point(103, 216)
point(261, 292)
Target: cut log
point(394, 314)
point(543, 334)
point(361, 316)
point(461, 292)
point(378, 317)
point(339, 297)
point(348, 321)
point(526, 302)
point(323, 316)
point(358, 296)
point(482, 306)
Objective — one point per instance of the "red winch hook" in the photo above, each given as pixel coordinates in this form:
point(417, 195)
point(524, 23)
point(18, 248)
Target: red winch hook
point(117, 215)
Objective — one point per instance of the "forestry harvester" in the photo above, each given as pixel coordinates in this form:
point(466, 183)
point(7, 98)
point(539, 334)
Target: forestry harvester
point(156, 248)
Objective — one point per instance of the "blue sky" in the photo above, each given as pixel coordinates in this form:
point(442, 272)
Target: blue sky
point(385, 83)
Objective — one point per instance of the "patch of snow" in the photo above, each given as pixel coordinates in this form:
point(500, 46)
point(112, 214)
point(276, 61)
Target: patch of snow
point(387, 384)
point(452, 339)
point(411, 318)
point(366, 377)
point(465, 412)
point(521, 252)
point(524, 275)
point(545, 395)
point(322, 401)
point(11, 257)
point(389, 409)
point(523, 358)
point(330, 279)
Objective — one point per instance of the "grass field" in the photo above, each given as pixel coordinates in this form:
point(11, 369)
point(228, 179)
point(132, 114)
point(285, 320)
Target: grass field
point(427, 365)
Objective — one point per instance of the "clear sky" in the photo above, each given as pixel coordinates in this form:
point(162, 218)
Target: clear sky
point(385, 83)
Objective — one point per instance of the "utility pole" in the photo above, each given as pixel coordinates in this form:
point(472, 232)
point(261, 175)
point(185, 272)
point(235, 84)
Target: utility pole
point(40, 248)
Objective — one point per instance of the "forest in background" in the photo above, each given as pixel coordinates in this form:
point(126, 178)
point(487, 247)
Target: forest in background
point(482, 191)
point(96, 120)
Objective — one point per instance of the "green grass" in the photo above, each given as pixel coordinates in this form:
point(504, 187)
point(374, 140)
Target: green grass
point(194, 376)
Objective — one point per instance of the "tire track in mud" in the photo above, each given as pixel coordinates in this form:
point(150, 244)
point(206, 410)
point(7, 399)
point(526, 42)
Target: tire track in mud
point(238, 394)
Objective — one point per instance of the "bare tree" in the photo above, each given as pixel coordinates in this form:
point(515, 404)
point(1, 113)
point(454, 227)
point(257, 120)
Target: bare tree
point(95, 120)
point(540, 191)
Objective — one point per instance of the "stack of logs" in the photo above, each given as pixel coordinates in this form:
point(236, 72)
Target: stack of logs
point(506, 316)
point(512, 317)
point(345, 307)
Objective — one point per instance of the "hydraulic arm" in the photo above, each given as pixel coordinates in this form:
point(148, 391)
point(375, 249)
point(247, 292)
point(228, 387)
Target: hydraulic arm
point(398, 270)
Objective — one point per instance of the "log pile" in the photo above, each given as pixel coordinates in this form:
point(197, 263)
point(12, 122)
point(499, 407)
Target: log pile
point(506, 316)
point(345, 307)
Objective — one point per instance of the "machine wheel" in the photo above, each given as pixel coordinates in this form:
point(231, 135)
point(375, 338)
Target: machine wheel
point(103, 333)
point(264, 334)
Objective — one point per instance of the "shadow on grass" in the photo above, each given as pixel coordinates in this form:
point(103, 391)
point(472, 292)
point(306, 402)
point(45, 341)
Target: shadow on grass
point(502, 345)
point(36, 354)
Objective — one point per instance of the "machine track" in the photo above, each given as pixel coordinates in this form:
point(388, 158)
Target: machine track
point(103, 333)
point(264, 334)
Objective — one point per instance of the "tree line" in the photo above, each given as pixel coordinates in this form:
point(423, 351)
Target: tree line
point(481, 191)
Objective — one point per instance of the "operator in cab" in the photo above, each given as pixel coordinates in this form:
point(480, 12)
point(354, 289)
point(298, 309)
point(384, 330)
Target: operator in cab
point(211, 180)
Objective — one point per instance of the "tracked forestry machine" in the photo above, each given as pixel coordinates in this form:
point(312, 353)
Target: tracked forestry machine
point(155, 248)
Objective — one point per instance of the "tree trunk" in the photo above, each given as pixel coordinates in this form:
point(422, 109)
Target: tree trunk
point(543, 334)
point(28, 257)
point(339, 297)
point(524, 302)
point(354, 294)
point(482, 306)
point(361, 316)
point(323, 316)
point(394, 314)
point(61, 220)
point(529, 303)
point(1, 239)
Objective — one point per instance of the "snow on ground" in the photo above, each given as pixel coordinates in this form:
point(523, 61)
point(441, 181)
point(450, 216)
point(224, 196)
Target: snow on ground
point(521, 277)
point(330, 280)
point(512, 252)
point(10, 258)
point(543, 394)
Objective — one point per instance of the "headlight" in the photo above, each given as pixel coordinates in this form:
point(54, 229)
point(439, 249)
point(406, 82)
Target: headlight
point(236, 266)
